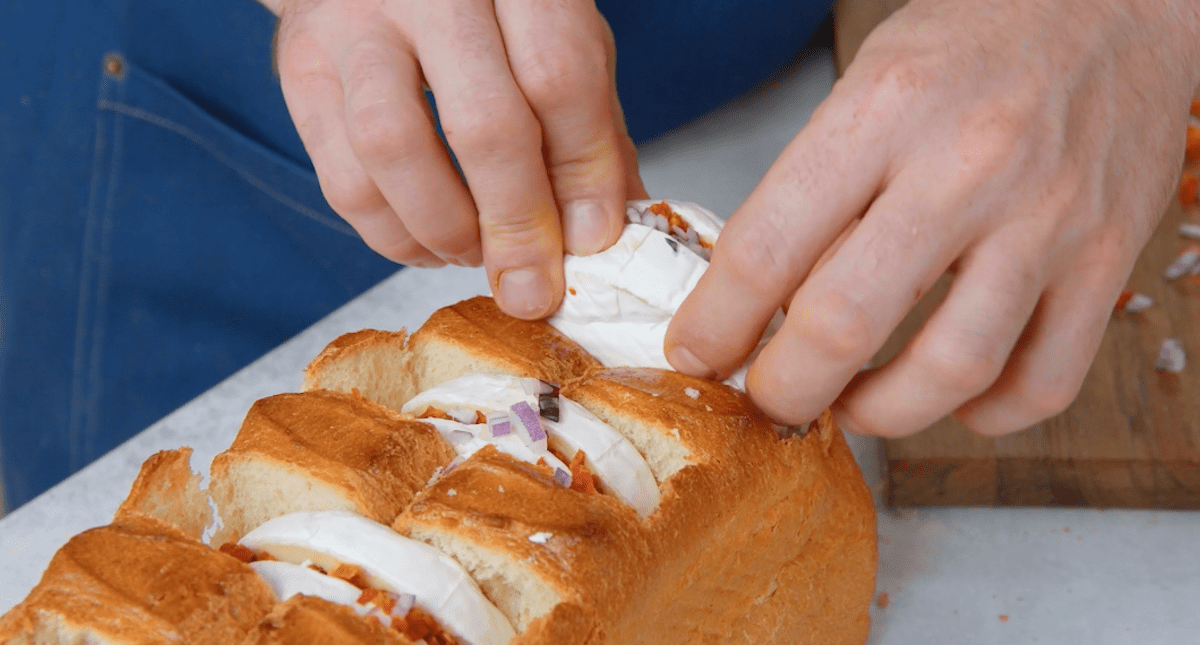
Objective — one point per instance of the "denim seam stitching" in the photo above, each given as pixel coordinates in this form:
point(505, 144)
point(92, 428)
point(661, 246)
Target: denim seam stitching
point(79, 367)
point(190, 135)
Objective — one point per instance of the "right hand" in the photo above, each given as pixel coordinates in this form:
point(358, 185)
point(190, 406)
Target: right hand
point(527, 99)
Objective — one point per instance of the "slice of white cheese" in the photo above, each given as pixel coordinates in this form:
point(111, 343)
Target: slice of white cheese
point(610, 456)
point(390, 562)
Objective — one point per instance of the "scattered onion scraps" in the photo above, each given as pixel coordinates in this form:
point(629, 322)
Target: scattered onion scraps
point(1171, 356)
point(1133, 302)
point(1183, 264)
point(1189, 230)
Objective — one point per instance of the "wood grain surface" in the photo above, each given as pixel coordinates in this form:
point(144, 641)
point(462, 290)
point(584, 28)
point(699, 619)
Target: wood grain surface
point(1131, 438)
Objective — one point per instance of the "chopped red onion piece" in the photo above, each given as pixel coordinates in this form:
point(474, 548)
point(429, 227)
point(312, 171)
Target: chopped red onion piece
point(632, 215)
point(563, 477)
point(1190, 230)
point(459, 437)
point(529, 429)
point(404, 604)
point(548, 406)
point(1138, 303)
point(498, 424)
point(1182, 264)
point(1171, 356)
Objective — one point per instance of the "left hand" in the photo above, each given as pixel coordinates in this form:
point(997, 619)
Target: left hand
point(1028, 146)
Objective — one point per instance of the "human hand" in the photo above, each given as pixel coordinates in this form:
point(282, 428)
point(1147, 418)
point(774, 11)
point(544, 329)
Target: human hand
point(1027, 146)
point(527, 100)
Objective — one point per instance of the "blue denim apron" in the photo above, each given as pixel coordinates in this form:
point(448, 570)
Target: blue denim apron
point(160, 223)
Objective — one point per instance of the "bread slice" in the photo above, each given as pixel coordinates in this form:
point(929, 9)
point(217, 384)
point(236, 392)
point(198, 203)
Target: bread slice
point(139, 582)
point(375, 363)
point(470, 337)
point(168, 490)
point(532, 545)
point(309, 620)
point(775, 536)
point(320, 451)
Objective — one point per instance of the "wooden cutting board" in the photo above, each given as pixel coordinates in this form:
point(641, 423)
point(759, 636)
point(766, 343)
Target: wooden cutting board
point(1131, 439)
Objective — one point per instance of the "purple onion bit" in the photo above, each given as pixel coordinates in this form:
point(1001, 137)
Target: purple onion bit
point(548, 406)
point(533, 432)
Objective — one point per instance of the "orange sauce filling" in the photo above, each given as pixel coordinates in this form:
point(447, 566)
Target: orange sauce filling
point(674, 219)
point(416, 624)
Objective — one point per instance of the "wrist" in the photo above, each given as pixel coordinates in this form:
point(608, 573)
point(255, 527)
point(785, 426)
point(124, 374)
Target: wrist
point(274, 6)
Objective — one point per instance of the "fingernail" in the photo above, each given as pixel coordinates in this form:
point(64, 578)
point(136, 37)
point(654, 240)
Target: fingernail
point(585, 227)
point(685, 361)
point(525, 293)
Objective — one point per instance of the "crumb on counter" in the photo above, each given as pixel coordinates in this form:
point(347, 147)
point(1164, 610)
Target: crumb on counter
point(882, 600)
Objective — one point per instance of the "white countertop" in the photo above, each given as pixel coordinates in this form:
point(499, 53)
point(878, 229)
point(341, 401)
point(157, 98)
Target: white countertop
point(951, 575)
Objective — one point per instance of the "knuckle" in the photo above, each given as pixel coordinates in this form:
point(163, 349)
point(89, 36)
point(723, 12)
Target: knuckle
point(868, 424)
point(994, 138)
point(759, 256)
point(379, 134)
point(895, 82)
point(593, 164)
point(452, 241)
point(838, 327)
point(492, 128)
point(350, 194)
point(958, 368)
point(1051, 398)
point(556, 76)
point(402, 249)
point(523, 232)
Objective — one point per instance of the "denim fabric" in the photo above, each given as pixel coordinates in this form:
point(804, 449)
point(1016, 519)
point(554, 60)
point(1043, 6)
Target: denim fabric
point(160, 224)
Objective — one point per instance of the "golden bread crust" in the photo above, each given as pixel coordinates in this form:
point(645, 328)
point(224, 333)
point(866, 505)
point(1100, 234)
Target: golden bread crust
point(309, 620)
point(142, 581)
point(167, 489)
point(505, 345)
point(577, 544)
point(376, 363)
point(357, 452)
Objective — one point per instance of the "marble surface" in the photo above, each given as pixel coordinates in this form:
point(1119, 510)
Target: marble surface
point(950, 575)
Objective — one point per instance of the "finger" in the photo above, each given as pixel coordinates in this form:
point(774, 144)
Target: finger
point(312, 90)
point(634, 188)
point(560, 55)
point(390, 129)
point(774, 239)
point(497, 140)
point(960, 351)
point(845, 311)
point(1052, 357)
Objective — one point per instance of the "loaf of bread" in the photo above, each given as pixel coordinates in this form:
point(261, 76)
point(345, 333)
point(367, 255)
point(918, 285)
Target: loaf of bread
point(484, 480)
